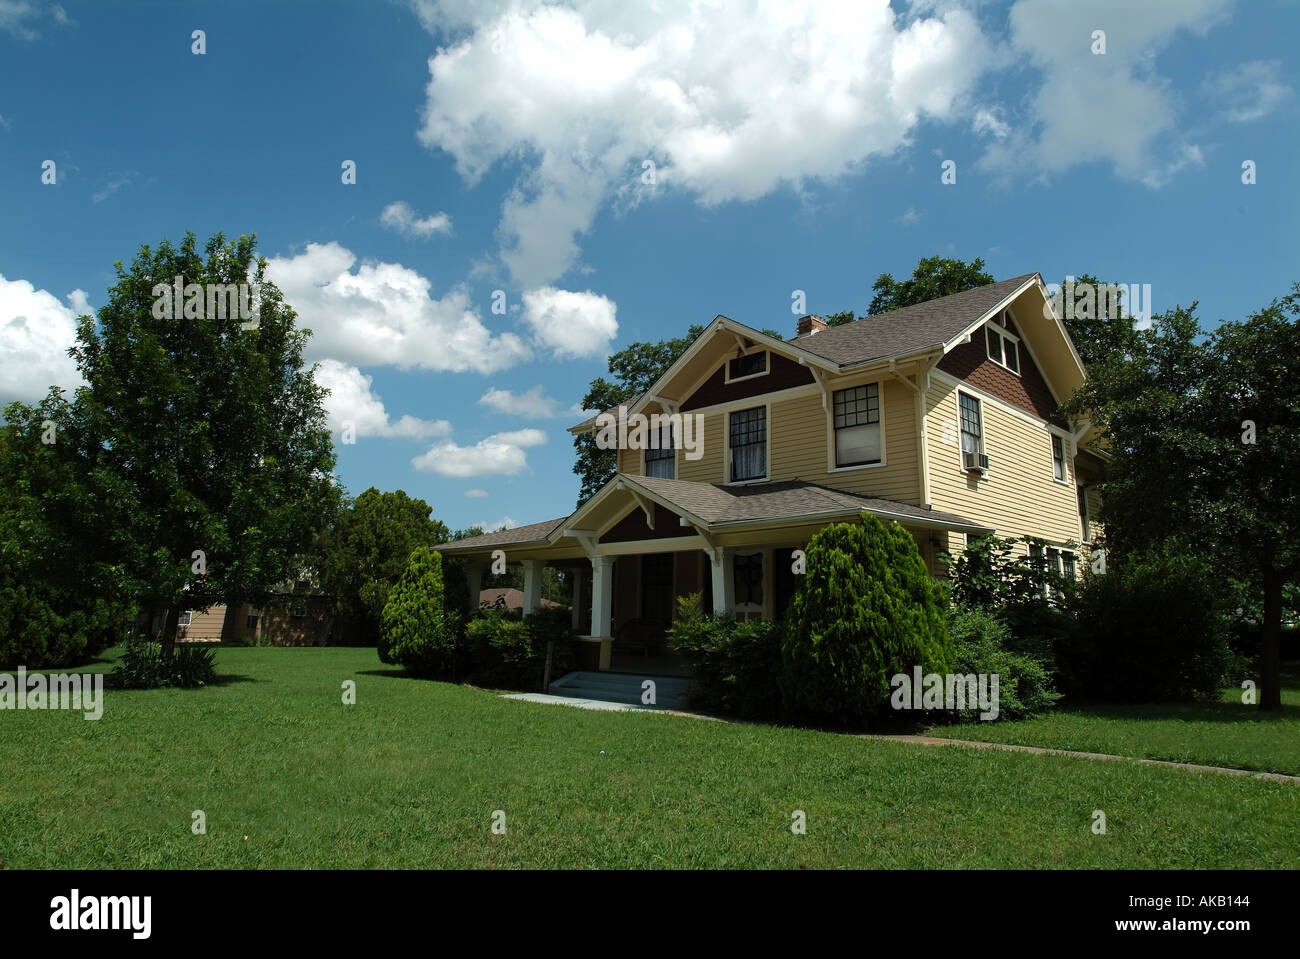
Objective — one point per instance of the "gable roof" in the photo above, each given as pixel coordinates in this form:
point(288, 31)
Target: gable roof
point(532, 533)
point(932, 325)
point(911, 329)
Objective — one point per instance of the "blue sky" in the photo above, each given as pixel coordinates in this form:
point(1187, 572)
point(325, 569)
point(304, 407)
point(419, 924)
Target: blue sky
point(501, 146)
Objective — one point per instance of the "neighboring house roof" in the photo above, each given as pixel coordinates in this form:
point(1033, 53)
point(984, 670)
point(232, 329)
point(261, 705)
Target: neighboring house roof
point(720, 507)
point(911, 329)
point(932, 325)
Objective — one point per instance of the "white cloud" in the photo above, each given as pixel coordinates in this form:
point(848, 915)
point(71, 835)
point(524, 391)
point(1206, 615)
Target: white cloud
point(910, 217)
point(505, 522)
point(1111, 108)
point(1250, 92)
point(987, 121)
point(36, 331)
point(352, 399)
point(730, 100)
point(532, 404)
point(476, 493)
point(571, 324)
point(383, 314)
point(401, 218)
point(499, 454)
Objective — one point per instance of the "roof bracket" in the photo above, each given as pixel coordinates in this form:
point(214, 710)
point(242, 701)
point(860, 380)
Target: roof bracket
point(646, 507)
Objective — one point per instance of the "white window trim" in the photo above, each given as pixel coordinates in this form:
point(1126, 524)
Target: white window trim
point(185, 618)
point(645, 461)
point(726, 367)
point(996, 324)
point(767, 439)
point(1065, 457)
point(961, 458)
point(831, 466)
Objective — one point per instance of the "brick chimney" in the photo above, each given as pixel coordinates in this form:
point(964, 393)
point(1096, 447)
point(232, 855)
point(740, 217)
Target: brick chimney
point(810, 324)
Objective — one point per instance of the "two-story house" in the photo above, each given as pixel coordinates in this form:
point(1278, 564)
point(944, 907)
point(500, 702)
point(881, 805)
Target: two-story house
point(941, 416)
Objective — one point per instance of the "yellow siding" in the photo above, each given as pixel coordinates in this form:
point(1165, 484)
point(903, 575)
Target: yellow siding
point(629, 461)
point(204, 627)
point(1019, 497)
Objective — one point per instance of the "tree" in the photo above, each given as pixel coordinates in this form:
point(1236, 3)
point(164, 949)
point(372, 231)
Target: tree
point(635, 370)
point(418, 627)
point(63, 594)
point(365, 552)
point(934, 276)
point(212, 432)
point(865, 611)
point(1202, 434)
point(1098, 326)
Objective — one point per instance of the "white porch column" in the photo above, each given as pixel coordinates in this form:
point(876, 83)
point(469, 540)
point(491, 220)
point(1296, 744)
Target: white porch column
point(474, 570)
point(724, 593)
point(532, 585)
point(602, 594)
point(579, 581)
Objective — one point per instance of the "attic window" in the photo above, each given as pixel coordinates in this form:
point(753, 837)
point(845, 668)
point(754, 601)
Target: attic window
point(751, 364)
point(1003, 346)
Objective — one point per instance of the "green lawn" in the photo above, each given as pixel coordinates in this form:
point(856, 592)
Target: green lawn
point(410, 777)
point(1226, 733)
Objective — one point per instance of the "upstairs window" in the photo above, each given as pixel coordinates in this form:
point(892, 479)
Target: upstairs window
point(1058, 458)
point(1084, 525)
point(1003, 346)
point(748, 444)
point(972, 427)
point(751, 364)
point(662, 462)
point(857, 425)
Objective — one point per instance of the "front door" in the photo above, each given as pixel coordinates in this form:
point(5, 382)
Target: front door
point(747, 568)
point(657, 587)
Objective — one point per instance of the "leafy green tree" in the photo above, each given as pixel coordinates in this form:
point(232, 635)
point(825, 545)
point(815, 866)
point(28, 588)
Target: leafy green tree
point(934, 276)
point(63, 594)
point(418, 627)
point(1203, 438)
point(865, 610)
point(1101, 333)
point(365, 552)
point(839, 319)
point(634, 370)
point(213, 433)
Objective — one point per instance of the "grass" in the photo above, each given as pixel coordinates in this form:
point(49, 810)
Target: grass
point(1226, 733)
point(409, 777)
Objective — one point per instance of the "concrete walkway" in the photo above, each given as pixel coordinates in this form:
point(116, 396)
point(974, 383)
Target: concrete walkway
point(1074, 754)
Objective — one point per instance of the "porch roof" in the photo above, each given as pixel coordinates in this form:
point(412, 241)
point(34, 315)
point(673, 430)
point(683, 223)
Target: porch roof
point(722, 508)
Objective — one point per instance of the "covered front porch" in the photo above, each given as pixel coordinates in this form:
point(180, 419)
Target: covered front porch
point(641, 543)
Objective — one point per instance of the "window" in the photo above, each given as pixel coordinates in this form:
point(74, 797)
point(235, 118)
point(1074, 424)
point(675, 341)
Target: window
point(1058, 458)
point(1038, 564)
point(662, 462)
point(1067, 565)
point(186, 617)
point(250, 621)
point(750, 365)
point(748, 434)
point(1003, 347)
point(298, 611)
point(972, 429)
point(1083, 512)
point(857, 425)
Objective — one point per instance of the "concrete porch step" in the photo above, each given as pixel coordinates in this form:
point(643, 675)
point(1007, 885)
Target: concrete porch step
point(671, 692)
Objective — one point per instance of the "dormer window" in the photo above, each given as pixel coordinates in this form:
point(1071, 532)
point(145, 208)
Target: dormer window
point(1003, 346)
point(750, 364)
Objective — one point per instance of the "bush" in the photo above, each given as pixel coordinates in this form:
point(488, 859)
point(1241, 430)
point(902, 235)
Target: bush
point(1150, 629)
point(143, 666)
point(736, 666)
point(982, 643)
point(865, 611)
point(509, 652)
point(417, 629)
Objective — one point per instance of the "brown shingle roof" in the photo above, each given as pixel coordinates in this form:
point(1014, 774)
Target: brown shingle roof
point(910, 329)
point(532, 533)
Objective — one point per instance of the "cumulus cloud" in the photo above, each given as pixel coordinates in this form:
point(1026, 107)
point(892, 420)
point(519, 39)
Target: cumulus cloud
point(353, 400)
point(729, 100)
point(384, 314)
point(505, 522)
point(476, 493)
point(570, 324)
point(401, 218)
point(1251, 91)
point(532, 404)
point(1111, 108)
point(36, 331)
point(499, 454)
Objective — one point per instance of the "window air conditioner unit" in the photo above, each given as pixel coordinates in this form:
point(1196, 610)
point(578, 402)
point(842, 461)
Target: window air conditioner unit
point(979, 462)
